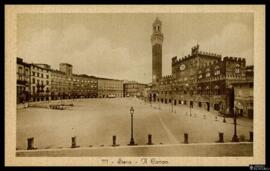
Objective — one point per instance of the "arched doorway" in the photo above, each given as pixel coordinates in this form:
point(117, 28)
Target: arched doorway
point(216, 106)
point(154, 97)
point(191, 104)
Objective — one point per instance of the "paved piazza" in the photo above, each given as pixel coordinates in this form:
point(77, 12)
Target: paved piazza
point(95, 121)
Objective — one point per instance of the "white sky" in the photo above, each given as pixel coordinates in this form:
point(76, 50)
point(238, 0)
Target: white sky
point(118, 45)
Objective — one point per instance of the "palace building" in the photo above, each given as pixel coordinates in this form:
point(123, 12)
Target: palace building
point(110, 88)
point(66, 85)
point(40, 82)
point(204, 80)
point(133, 89)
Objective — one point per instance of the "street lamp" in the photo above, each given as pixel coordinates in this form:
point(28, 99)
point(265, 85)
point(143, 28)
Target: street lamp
point(131, 139)
point(190, 109)
point(235, 138)
point(151, 100)
point(158, 101)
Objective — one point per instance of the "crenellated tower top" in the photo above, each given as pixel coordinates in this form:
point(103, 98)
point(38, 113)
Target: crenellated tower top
point(157, 35)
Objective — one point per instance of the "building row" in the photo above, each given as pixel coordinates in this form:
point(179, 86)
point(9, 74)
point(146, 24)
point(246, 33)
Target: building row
point(39, 82)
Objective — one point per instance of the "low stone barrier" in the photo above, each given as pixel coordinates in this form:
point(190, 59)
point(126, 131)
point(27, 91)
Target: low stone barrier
point(199, 149)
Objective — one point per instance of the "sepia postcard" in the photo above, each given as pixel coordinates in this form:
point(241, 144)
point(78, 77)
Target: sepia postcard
point(134, 85)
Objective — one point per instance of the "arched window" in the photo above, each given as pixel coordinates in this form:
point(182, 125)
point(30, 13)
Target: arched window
point(237, 68)
point(217, 90)
point(199, 90)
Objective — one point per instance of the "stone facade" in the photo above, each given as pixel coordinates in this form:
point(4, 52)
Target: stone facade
point(40, 82)
point(110, 88)
point(66, 85)
point(156, 40)
point(23, 81)
point(66, 68)
point(61, 84)
point(244, 98)
point(202, 80)
point(133, 89)
point(84, 86)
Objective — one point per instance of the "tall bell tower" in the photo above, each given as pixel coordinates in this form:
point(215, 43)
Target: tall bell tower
point(156, 40)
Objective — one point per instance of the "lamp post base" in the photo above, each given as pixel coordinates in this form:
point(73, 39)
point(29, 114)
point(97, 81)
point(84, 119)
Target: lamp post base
point(235, 138)
point(132, 142)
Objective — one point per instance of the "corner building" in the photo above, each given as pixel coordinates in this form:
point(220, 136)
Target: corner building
point(23, 81)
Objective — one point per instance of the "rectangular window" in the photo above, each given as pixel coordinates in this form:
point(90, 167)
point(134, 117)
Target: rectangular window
point(20, 70)
point(38, 74)
point(217, 72)
point(33, 73)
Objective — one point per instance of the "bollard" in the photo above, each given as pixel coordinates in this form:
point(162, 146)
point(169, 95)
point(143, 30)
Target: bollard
point(73, 142)
point(216, 118)
point(114, 141)
point(30, 143)
point(221, 140)
point(224, 120)
point(186, 138)
point(251, 136)
point(149, 139)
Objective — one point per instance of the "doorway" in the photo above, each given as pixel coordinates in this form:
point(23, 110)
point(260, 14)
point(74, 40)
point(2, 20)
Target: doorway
point(208, 106)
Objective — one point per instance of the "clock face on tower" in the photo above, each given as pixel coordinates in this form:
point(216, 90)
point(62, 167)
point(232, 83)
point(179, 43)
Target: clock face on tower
point(182, 67)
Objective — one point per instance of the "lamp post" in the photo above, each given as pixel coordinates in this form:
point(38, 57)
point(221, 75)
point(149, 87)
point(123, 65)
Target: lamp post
point(158, 101)
point(190, 109)
point(151, 100)
point(131, 139)
point(235, 137)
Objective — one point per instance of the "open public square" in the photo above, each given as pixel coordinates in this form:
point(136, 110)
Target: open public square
point(95, 121)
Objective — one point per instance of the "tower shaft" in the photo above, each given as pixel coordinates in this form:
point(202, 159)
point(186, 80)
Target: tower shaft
point(157, 40)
